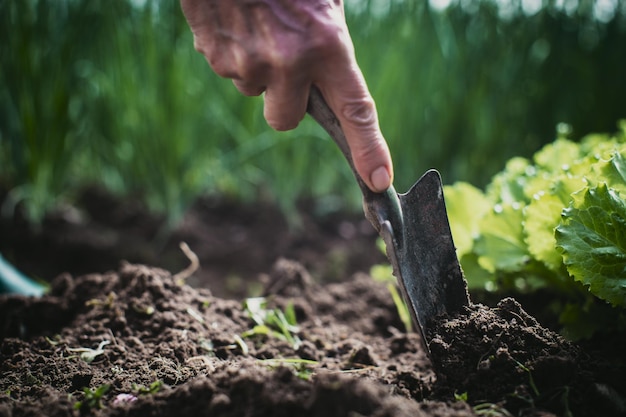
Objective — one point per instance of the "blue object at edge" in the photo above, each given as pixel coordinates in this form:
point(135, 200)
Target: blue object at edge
point(13, 282)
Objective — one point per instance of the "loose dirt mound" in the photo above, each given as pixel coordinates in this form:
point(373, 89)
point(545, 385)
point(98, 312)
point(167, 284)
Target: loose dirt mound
point(139, 343)
point(503, 354)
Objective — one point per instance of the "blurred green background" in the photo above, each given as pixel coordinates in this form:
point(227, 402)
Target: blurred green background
point(112, 92)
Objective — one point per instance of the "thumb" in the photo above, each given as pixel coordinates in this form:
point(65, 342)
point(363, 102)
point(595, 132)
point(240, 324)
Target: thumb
point(355, 109)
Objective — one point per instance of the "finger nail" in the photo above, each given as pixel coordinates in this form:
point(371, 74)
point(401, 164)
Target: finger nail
point(380, 179)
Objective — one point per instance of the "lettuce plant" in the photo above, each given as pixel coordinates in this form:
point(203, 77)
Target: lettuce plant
point(557, 221)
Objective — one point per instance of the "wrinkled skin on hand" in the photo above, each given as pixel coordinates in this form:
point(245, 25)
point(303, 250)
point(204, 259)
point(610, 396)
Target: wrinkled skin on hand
point(282, 48)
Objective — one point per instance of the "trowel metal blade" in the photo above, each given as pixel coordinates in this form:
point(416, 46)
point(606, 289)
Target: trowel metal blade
point(425, 261)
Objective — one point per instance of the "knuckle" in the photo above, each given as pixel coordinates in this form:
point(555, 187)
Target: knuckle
point(221, 69)
point(360, 113)
point(201, 46)
point(328, 41)
point(216, 61)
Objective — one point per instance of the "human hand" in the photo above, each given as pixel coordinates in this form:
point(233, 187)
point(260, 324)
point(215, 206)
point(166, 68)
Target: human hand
point(282, 48)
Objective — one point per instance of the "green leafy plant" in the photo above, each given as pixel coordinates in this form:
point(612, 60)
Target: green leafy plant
point(557, 221)
point(92, 399)
point(41, 101)
point(272, 321)
point(592, 238)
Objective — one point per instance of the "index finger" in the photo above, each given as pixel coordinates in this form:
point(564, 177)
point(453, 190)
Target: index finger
point(348, 97)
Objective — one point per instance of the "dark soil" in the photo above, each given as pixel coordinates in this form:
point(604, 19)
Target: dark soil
point(156, 344)
point(138, 328)
point(234, 242)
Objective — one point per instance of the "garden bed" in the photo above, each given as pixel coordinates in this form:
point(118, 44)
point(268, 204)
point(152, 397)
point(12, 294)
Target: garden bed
point(140, 342)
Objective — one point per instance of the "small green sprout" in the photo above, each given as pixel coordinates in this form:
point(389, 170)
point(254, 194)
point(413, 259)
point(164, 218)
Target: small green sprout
point(153, 388)
point(461, 397)
point(106, 303)
point(299, 366)
point(92, 398)
point(272, 322)
point(55, 341)
point(383, 273)
point(242, 344)
point(207, 345)
point(32, 379)
point(193, 313)
point(531, 380)
point(491, 410)
point(147, 310)
point(87, 354)
point(484, 409)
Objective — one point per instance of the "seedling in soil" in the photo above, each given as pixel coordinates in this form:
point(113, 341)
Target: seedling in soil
point(242, 344)
point(32, 379)
point(531, 380)
point(207, 345)
point(193, 313)
point(298, 365)
point(272, 322)
point(382, 273)
point(55, 341)
point(151, 389)
point(92, 399)
point(106, 303)
point(491, 410)
point(461, 397)
point(484, 409)
point(87, 354)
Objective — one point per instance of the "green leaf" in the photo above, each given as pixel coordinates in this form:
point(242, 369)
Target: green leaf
point(508, 186)
point(592, 238)
point(612, 171)
point(465, 205)
point(565, 185)
point(542, 216)
point(477, 277)
point(618, 163)
point(382, 273)
point(557, 156)
point(599, 146)
point(501, 246)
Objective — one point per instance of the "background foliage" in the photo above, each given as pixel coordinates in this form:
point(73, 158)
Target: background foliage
point(112, 92)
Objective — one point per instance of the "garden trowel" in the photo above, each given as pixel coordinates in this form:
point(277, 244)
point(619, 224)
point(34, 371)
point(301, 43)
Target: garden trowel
point(416, 232)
